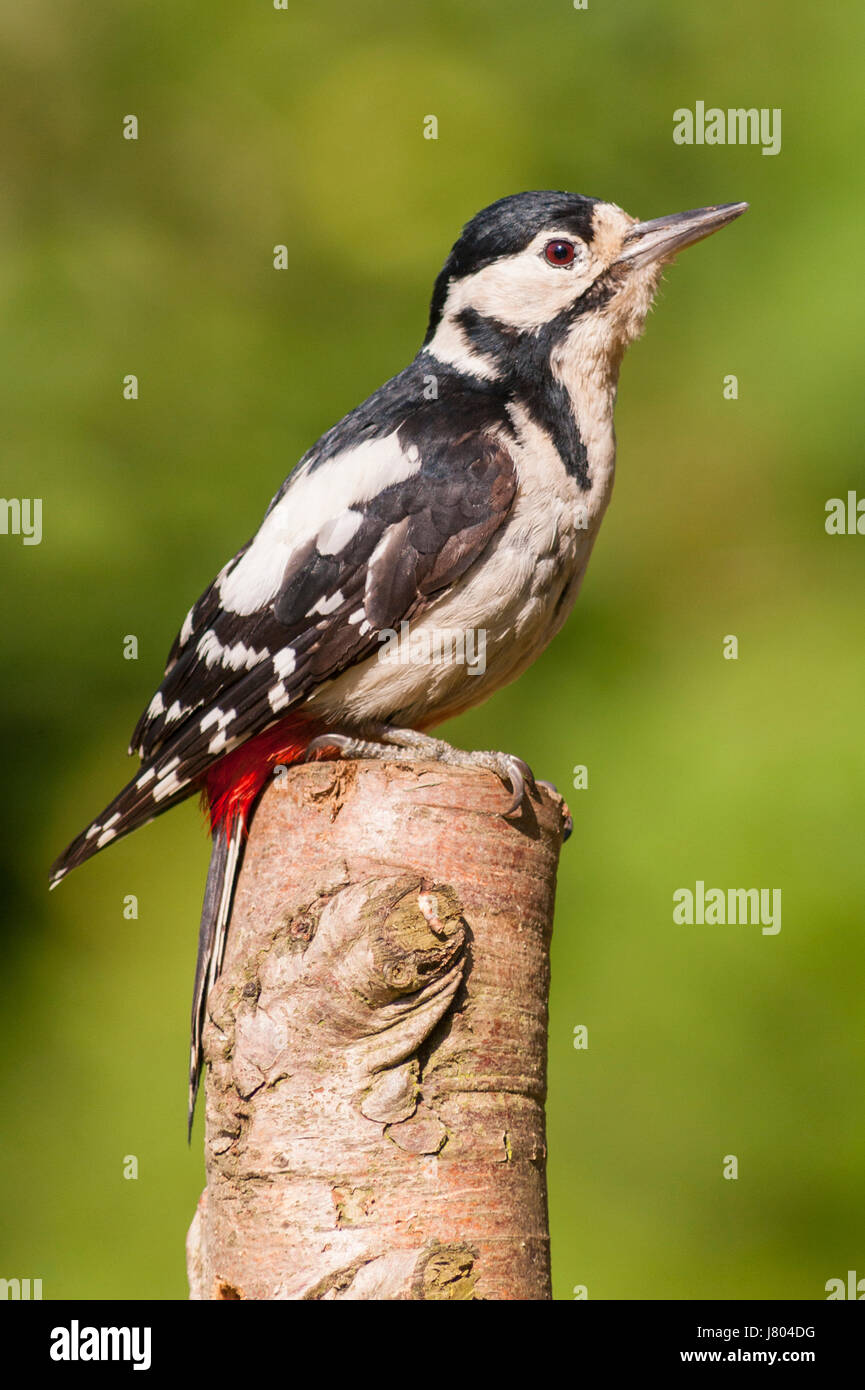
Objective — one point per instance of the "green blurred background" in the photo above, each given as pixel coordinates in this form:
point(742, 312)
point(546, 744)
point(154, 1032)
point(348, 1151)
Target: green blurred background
point(304, 127)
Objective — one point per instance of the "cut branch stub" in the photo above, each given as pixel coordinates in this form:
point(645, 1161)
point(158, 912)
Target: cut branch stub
point(377, 1044)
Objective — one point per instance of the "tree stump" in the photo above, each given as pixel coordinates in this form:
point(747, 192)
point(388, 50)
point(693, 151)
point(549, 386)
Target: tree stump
point(376, 1043)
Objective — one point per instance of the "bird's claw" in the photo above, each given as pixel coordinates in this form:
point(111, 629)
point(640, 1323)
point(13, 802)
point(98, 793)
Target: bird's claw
point(506, 766)
point(520, 776)
point(340, 742)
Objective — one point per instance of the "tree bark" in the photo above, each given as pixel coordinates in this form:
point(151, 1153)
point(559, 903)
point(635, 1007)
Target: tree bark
point(377, 1043)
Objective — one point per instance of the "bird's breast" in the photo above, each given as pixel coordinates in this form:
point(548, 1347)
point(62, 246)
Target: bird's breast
point(491, 625)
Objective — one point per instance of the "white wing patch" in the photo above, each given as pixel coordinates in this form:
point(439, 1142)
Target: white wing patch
point(107, 832)
point(326, 605)
point(335, 535)
point(306, 509)
point(277, 697)
point(168, 781)
point(188, 623)
point(284, 662)
point(221, 718)
point(239, 657)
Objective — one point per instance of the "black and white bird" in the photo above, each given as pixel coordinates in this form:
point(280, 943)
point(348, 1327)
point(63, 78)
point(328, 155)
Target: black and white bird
point(465, 494)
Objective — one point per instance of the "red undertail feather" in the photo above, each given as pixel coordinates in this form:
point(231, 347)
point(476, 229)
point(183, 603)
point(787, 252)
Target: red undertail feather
point(232, 784)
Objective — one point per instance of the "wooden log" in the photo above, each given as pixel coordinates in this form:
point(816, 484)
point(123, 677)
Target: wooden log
point(377, 1043)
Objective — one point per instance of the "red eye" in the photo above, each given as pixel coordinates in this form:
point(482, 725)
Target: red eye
point(560, 252)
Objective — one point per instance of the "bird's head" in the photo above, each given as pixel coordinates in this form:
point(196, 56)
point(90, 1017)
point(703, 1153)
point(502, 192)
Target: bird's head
point(546, 276)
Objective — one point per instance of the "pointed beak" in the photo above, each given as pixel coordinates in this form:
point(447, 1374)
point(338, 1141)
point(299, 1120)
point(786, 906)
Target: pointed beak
point(663, 237)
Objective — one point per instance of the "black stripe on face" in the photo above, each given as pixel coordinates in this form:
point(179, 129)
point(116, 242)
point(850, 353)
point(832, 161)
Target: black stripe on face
point(506, 228)
point(522, 360)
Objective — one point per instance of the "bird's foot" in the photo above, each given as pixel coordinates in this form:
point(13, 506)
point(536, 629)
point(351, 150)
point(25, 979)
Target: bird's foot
point(405, 745)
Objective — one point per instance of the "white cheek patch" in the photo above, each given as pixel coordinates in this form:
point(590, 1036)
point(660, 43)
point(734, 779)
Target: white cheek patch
point(525, 291)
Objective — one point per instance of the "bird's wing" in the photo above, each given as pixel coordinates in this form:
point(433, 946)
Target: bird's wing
point(355, 546)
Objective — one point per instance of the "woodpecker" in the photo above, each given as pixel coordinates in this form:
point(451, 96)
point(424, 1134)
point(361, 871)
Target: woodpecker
point(464, 494)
